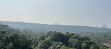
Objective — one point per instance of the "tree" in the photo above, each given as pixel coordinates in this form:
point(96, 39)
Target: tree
point(56, 45)
point(20, 41)
point(85, 46)
point(75, 42)
point(64, 47)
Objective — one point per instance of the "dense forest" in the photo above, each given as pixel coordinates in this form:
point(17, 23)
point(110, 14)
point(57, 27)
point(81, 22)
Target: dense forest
point(15, 39)
point(96, 34)
point(103, 37)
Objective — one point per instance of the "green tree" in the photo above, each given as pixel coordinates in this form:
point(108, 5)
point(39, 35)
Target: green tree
point(85, 46)
point(64, 47)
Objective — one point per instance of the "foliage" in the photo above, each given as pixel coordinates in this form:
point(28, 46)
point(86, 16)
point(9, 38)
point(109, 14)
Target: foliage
point(14, 39)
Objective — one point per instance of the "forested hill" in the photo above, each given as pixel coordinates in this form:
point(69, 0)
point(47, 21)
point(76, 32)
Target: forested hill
point(13, 39)
point(60, 28)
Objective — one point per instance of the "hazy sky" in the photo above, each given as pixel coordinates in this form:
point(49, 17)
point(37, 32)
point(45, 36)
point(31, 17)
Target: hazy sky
point(70, 12)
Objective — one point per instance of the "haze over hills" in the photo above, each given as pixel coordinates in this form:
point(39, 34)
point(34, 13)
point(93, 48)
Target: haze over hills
point(36, 27)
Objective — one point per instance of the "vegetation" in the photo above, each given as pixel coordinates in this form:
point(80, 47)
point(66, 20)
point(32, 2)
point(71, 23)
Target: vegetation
point(99, 38)
point(44, 28)
point(98, 35)
point(14, 39)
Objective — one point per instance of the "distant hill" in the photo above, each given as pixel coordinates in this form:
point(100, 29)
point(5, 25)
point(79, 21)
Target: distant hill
point(36, 27)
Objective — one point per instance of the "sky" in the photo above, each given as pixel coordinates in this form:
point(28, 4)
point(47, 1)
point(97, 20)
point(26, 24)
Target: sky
point(66, 12)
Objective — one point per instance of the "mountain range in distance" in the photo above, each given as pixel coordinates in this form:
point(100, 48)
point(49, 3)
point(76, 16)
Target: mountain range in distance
point(36, 27)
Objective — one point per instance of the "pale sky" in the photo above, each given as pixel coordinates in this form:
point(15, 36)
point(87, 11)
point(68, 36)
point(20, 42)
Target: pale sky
point(68, 12)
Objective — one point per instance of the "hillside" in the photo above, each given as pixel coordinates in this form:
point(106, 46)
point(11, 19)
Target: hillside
point(50, 40)
point(46, 28)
